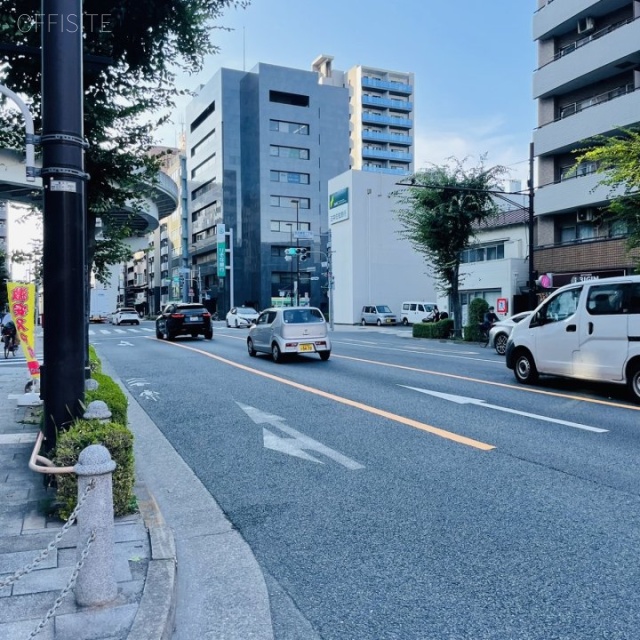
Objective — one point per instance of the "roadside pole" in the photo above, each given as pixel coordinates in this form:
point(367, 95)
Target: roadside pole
point(64, 224)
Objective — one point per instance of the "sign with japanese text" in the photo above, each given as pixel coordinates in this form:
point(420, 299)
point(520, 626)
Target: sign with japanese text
point(221, 242)
point(22, 306)
point(339, 206)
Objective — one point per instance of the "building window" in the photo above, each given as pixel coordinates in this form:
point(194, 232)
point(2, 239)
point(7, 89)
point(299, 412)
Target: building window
point(203, 116)
point(205, 188)
point(289, 152)
point(287, 202)
point(294, 99)
point(284, 126)
point(206, 141)
point(290, 176)
point(484, 253)
point(288, 226)
point(203, 167)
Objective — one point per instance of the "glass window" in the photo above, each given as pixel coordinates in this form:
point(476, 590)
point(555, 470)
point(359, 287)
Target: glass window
point(561, 306)
point(605, 299)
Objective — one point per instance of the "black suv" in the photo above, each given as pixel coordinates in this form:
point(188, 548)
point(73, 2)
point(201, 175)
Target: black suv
point(183, 319)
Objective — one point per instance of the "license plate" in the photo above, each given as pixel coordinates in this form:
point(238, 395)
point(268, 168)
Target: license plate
point(193, 319)
point(305, 347)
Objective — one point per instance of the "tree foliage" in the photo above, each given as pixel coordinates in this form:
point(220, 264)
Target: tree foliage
point(133, 51)
point(618, 159)
point(439, 212)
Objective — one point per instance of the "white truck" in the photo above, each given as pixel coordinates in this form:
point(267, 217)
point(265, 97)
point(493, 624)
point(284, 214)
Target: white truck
point(102, 304)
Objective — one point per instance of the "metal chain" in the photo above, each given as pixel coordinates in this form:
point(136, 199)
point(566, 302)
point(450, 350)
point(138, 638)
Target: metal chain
point(53, 544)
point(70, 584)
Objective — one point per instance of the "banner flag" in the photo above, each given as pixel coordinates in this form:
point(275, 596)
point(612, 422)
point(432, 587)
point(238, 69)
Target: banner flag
point(22, 306)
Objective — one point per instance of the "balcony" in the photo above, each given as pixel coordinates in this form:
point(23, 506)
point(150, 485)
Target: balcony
point(386, 85)
point(392, 170)
point(400, 105)
point(388, 120)
point(590, 63)
point(394, 138)
point(385, 154)
point(588, 118)
point(552, 18)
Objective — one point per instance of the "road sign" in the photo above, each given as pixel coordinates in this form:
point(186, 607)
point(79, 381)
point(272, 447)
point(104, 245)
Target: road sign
point(314, 278)
point(303, 235)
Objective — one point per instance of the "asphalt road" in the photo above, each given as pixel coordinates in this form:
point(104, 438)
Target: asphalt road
point(407, 489)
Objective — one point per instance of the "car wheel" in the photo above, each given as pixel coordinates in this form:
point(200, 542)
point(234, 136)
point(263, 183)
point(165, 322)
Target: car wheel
point(237, 325)
point(137, 322)
point(228, 325)
point(379, 322)
point(194, 335)
point(250, 349)
point(166, 335)
point(363, 323)
point(208, 335)
point(276, 354)
point(633, 380)
point(158, 334)
point(500, 343)
point(324, 355)
point(405, 321)
point(525, 368)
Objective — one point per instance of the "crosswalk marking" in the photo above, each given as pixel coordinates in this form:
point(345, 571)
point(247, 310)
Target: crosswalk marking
point(121, 331)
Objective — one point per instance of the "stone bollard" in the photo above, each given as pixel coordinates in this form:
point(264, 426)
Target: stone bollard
point(96, 582)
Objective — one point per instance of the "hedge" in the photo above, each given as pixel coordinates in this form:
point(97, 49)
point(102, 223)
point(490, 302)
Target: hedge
point(440, 329)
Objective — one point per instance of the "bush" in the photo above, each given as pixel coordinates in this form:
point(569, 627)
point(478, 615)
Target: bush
point(440, 329)
point(477, 308)
point(118, 440)
point(94, 361)
point(109, 392)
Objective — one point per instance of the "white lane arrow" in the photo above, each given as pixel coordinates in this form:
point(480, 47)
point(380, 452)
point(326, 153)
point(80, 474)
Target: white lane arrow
point(296, 445)
point(482, 403)
point(124, 343)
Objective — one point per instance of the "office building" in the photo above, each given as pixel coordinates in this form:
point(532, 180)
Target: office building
point(586, 85)
point(261, 148)
point(381, 129)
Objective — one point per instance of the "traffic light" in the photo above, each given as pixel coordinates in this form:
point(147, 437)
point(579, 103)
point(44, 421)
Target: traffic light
point(292, 251)
point(303, 254)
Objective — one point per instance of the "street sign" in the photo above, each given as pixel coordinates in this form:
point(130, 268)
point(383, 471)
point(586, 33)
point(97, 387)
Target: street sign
point(314, 278)
point(303, 235)
point(309, 269)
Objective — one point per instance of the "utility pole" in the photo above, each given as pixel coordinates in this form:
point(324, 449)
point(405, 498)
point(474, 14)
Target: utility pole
point(297, 287)
point(64, 221)
point(532, 290)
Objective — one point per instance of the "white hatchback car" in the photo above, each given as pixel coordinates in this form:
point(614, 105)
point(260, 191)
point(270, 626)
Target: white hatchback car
point(125, 315)
point(499, 333)
point(241, 316)
point(283, 331)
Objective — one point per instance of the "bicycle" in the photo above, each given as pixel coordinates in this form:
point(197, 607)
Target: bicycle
point(483, 334)
point(10, 346)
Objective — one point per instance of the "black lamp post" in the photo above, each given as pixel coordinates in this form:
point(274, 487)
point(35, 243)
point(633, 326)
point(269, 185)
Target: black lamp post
point(297, 203)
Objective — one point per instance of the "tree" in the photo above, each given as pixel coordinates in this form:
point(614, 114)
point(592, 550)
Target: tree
point(133, 50)
point(439, 211)
point(618, 159)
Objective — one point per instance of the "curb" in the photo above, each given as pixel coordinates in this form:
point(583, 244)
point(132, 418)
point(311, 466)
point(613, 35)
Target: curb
point(156, 612)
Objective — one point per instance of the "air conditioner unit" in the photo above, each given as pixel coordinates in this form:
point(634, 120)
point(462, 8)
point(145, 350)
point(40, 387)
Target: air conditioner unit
point(585, 215)
point(586, 24)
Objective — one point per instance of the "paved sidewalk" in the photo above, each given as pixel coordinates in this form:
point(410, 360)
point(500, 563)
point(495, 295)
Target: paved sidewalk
point(218, 593)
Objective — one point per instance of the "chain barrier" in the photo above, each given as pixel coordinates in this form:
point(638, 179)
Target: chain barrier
point(63, 593)
point(53, 544)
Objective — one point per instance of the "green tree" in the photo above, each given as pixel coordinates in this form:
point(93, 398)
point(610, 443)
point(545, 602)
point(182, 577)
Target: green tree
point(132, 55)
point(618, 159)
point(439, 212)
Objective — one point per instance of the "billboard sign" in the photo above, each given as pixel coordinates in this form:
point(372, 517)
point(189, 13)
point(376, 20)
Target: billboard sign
point(221, 242)
point(339, 206)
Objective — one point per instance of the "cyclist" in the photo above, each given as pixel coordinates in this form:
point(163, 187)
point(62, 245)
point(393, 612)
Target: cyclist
point(490, 318)
point(9, 333)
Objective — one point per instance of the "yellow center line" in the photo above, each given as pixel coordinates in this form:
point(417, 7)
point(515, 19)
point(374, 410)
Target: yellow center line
point(346, 401)
point(455, 376)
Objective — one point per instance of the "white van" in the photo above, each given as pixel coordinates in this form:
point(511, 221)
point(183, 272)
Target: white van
point(588, 330)
point(411, 312)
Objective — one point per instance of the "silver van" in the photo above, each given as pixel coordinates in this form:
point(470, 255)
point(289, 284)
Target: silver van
point(379, 314)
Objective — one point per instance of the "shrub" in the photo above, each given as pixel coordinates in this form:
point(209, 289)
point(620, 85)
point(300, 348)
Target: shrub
point(477, 308)
point(109, 392)
point(118, 440)
point(94, 361)
point(440, 329)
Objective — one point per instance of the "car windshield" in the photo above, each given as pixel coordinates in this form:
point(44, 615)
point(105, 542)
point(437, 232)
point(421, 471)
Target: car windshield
point(382, 308)
point(127, 311)
point(300, 316)
point(247, 311)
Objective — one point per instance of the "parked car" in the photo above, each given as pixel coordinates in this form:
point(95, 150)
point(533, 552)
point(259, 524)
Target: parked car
point(412, 312)
point(125, 315)
point(589, 330)
point(499, 333)
point(282, 331)
point(377, 314)
point(241, 316)
point(184, 319)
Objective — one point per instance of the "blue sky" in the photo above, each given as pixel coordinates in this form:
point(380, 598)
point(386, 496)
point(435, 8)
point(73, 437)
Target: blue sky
point(473, 63)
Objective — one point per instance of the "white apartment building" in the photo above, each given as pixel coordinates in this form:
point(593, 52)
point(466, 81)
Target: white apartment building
point(381, 128)
point(586, 84)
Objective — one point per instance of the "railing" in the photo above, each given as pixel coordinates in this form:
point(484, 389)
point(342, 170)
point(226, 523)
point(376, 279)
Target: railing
point(388, 102)
point(396, 138)
point(400, 122)
point(581, 105)
point(388, 85)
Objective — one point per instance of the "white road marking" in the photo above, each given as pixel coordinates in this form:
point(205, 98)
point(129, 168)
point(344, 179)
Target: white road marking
point(298, 444)
point(465, 400)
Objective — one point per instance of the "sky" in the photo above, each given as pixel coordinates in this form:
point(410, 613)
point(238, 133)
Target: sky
point(473, 63)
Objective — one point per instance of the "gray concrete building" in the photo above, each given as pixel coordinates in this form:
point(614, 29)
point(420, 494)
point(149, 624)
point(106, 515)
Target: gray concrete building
point(261, 148)
point(586, 85)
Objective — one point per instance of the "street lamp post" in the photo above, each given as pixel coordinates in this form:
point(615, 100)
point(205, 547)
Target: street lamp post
point(297, 287)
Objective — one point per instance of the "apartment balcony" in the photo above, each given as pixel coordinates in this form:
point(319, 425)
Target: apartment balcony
point(385, 154)
point(573, 193)
point(581, 121)
point(388, 120)
point(392, 170)
point(553, 17)
point(393, 138)
point(597, 59)
point(400, 105)
point(385, 85)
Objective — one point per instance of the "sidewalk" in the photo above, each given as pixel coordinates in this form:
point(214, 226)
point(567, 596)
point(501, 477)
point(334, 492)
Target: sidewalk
point(217, 593)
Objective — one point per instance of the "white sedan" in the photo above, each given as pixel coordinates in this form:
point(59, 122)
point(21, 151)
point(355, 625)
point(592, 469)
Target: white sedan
point(126, 315)
point(241, 316)
point(499, 333)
